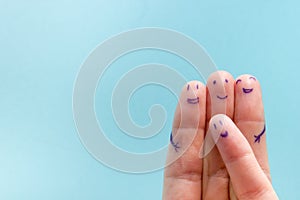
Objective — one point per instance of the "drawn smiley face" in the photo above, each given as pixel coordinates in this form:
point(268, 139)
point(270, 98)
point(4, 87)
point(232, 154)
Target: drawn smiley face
point(220, 96)
point(192, 100)
point(223, 133)
point(246, 90)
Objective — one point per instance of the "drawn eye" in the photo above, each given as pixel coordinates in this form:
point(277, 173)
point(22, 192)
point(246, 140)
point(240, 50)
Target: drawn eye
point(188, 87)
point(251, 77)
point(197, 86)
point(239, 80)
point(226, 80)
point(214, 82)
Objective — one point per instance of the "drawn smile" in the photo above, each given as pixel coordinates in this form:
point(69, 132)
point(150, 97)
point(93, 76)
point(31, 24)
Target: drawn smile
point(193, 100)
point(245, 90)
point(224, 134)
point(225, 97)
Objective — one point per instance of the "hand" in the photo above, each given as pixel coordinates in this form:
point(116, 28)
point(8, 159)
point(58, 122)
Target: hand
point(230, 113)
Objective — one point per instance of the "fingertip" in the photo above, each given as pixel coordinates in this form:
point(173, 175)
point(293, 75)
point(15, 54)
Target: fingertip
point(193, 103)
point(247, 84)
point(219, 125)
point(191, 89)
point(248, 99)
point(220, 89)
point(230, 141)
point(220, 81)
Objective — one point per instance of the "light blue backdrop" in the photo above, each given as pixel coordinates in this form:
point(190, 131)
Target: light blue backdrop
point(43, 44)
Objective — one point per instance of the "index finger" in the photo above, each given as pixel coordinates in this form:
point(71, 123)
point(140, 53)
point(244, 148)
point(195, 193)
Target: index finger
point(248, 179)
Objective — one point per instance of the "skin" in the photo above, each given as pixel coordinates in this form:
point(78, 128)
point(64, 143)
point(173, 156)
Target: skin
point(237, 166)
point(215, 175)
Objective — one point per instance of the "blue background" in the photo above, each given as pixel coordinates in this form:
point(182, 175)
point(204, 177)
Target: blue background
point(43, 44)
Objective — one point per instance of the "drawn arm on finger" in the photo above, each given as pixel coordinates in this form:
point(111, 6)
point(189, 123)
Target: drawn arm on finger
point(257, 137)
point(175, 145)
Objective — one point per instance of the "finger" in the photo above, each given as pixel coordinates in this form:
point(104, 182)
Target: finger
point(183, 177)
point(248, 179)
point(249, 117)
point(220, 99)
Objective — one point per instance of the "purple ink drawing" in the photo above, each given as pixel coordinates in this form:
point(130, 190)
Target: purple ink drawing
point(257, 137)
point(245, 90)
point(175, 145)
point(222, 98)
point(251, 77)
point(193, 100)
point(224, 134)
point(239, 80)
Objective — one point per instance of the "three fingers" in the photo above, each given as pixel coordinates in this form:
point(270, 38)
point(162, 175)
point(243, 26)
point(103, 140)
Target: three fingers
point(190, 176)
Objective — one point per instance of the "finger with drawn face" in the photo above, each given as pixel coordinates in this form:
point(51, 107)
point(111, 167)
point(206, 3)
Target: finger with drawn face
point(183, 174)
point(249, 117)
point(248, 179)
point(220, 94)
point(220, 100)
